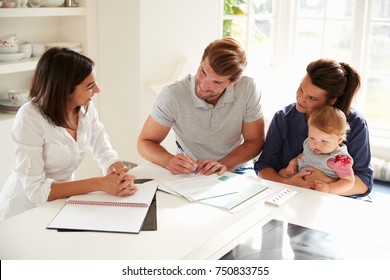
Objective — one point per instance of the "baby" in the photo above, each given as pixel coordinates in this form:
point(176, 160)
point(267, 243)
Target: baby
point(325, 151)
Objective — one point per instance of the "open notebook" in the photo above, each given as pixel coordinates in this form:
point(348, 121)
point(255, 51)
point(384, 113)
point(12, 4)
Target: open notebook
point(99, 211)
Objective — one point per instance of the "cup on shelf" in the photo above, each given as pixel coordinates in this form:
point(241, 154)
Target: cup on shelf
point(71, 3)
point(18, 96)
point(26, 48)
point(38, 49)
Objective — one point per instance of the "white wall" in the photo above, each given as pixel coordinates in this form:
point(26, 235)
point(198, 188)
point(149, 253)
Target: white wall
point(139, 42)
point(118, 66)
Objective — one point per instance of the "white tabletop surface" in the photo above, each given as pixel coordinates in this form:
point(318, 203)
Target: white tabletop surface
point(189, 230)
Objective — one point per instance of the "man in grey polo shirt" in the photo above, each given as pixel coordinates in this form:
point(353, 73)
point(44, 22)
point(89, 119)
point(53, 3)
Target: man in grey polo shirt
point(215, 114)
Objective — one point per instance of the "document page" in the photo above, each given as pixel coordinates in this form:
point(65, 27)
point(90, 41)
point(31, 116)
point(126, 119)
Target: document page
point(198, 187)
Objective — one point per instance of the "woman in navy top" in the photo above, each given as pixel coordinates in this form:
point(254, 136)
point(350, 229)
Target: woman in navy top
point(327, 82)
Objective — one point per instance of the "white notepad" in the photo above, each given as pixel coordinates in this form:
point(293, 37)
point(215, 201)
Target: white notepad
point(99, 211)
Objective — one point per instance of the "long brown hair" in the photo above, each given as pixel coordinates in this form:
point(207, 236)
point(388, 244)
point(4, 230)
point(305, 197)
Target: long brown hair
point(58, 72)
point(338, 79)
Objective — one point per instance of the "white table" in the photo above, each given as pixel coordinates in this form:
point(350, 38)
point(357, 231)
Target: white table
point(187, 230)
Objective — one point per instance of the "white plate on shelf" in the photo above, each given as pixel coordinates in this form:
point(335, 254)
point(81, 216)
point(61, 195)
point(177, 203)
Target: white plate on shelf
point(11, 56)
point(8, 106)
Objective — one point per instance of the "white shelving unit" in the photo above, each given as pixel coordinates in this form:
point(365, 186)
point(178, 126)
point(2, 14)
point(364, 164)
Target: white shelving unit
point(44, 25)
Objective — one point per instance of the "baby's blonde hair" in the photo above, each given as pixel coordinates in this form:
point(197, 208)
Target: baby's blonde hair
point(330, 120)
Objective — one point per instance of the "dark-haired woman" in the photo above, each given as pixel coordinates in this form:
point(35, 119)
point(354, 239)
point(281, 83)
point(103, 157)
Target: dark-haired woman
point(54, 131)
point(327, 82)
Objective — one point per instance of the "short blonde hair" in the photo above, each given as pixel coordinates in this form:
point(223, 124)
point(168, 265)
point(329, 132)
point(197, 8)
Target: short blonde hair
point(330, 120)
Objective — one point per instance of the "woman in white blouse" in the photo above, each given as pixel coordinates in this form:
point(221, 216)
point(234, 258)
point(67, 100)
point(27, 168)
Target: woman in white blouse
point(53, 132)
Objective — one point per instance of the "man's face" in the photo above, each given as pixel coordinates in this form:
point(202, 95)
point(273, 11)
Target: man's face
point(209, 86)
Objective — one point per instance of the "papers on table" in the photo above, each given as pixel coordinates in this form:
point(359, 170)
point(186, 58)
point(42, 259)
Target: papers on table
point(197, 187)
point(226, 191)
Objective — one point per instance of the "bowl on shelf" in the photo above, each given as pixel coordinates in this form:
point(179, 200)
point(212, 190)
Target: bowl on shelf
point(35, 3)
point(18, 96)
point(8, 40)
point(9, 49)
point(38, 49)
point(53, 3)
point(11, 56)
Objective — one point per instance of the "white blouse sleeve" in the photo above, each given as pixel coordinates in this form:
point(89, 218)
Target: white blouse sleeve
point(28, 134)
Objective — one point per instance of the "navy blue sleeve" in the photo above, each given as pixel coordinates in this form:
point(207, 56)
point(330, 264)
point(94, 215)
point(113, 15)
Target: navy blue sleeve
point(284, 139)
point(271, 154)
point(358, 144)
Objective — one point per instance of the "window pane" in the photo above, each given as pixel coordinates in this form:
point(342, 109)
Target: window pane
point(338, 40)
point(378, 100)
point(379, 59)
point(381, 9)
point(308, 44)
point(235, 28)
point(260, 43)
point(311, 8)
point(262, 7)
point(235, 7)
point(340, 8)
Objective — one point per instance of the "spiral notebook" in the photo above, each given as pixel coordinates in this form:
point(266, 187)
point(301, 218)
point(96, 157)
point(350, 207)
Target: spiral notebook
point(99, 211)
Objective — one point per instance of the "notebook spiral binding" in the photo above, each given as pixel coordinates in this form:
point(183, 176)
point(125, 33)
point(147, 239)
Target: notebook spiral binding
point(107, 203)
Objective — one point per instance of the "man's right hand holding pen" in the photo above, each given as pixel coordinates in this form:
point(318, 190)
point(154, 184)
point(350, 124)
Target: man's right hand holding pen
point(183, 164)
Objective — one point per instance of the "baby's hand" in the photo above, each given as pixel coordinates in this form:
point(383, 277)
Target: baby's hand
point(321, 186)
point(291, 170)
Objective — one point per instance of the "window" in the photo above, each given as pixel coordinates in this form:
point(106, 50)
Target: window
point(282, 37)
point(377, 69)
point(251, 22)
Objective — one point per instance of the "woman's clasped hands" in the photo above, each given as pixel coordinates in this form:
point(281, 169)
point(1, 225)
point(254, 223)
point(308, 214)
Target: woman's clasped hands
point(119, 182)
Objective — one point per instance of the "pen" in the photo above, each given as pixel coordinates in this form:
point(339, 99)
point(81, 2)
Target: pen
point(180, 148)
point(182, 151)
